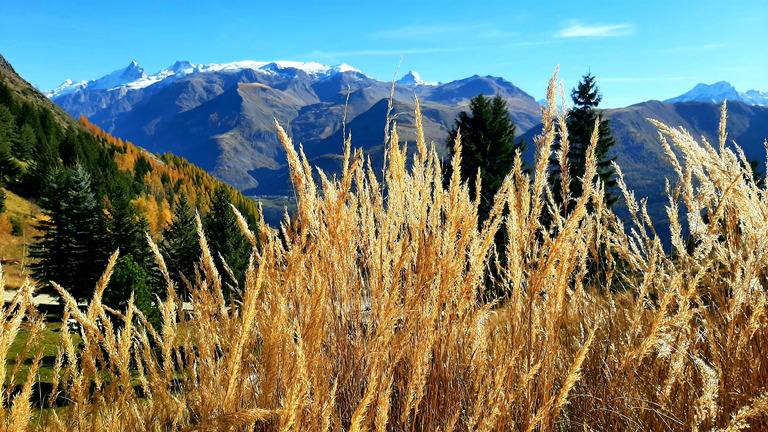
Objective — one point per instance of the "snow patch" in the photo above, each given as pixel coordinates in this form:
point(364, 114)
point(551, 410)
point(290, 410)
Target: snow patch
point(413, 78)
point(133, 76)
point(65, 88)
point(720, 91)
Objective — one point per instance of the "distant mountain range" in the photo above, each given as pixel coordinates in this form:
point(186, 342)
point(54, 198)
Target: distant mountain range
point(221, 117)
point(640, 154)
point(721, 91)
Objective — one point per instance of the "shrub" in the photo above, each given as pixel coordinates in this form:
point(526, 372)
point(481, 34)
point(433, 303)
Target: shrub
point(16, 226)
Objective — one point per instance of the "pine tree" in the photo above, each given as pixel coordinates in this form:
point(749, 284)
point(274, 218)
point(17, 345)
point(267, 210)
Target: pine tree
point(71, 249)
point(127, 228)
point(127, 232)
point(7, 125)
point(581, 123)
point(181, 244)
point(488, 141)
point(24, 144)
point(10, 169)
point(224, 235)
point(45, 161)
point(131, 277)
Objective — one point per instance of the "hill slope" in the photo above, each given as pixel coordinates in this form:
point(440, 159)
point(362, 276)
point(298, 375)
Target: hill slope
point(37, 138)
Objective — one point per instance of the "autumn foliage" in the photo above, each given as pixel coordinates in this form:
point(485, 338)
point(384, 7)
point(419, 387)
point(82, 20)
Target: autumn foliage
point(166, 177)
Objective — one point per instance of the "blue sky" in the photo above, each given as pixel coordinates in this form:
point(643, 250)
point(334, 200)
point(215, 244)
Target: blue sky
point(638, 50)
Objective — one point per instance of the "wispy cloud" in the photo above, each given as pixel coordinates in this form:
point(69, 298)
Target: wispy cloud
point(411, 31)
point(391, 52)
point(575, 30)
point(702, 47)
point(375, 52)
point(643, 79)
point(524, 44)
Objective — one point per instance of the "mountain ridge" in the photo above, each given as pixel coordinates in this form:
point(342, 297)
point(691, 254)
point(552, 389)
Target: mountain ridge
point(720, 92)
point(134, 76)
point(222, 117)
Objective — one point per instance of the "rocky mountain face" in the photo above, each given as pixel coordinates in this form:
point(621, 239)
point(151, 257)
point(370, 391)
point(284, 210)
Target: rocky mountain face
point(221, 117)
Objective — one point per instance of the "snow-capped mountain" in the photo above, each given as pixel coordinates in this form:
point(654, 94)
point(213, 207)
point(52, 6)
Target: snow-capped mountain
point(221, 116)
point(134, 77)
point(66, 87)
point(413, 78)
point(720, 91)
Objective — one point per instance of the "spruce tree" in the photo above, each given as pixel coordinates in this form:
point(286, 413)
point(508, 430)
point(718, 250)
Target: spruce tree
point(488, 141)
point(581, 123)
point(224, 235)
point(71, 249)
point(182, 245)
point(7, 125)
point(24, 145)
point(127, 232)
point(45, 161)
point(10, 169)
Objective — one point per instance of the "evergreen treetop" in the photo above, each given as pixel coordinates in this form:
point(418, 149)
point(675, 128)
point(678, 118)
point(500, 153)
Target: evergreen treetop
point(581, 123)
point(71, 249)
point(488, 141)
point(225, 238)
point(181, 244)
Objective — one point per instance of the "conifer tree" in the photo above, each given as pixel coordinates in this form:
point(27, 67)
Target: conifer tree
point(129, 277)
point(10, 168)
point(488, 141)
point(581, 123)
point(181, 244)
point(127, 232)
point(24, 144)
point(7, 125)
point(224, 235)
point(45, 162)
point(71, 249)
point(127, 228)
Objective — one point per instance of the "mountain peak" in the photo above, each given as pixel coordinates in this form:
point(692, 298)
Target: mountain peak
point(132, 72)
point(413, 78)
point(181, 67)
point(719, 92)
point(67, 87)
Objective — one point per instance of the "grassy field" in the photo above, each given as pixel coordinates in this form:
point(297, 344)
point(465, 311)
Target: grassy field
point(48, 340)
point(369, 312)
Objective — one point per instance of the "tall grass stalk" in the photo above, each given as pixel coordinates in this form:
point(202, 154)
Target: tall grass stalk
point(367, 312)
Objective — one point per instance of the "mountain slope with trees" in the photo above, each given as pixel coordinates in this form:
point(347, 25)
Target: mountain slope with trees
point(96, 194)
point(221, 117)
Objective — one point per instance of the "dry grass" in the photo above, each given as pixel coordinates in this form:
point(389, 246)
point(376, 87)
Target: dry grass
point(367, 313)
point(13, 247)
